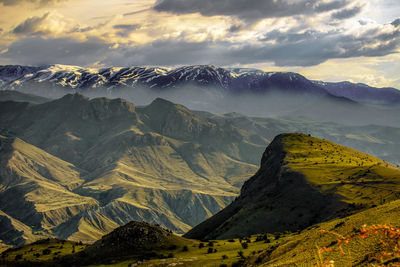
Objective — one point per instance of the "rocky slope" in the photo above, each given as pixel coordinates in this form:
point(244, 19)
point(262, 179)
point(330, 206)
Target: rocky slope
point(87, 166)
point(302, 181)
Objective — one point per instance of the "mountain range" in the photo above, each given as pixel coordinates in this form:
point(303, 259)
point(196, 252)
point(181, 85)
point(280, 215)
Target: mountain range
point(77, 168)
point(108, 162)
point(218, 90)
point(235, 80)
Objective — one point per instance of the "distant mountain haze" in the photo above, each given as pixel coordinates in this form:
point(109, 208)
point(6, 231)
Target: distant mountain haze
point(219, 90)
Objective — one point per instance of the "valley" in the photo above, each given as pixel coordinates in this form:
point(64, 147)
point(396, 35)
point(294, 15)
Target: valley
point(354, 219)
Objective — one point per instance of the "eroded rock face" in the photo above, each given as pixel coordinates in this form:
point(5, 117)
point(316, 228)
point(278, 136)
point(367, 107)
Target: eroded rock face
point(161, 164)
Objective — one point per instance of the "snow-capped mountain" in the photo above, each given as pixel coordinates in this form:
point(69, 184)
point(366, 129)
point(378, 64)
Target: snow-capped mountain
point(230, 80)
point(234, 80)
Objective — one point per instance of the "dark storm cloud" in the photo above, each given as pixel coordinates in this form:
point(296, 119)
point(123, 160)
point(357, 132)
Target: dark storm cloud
point(18, 2)
point(30, 26)
point(396, 23)
point(39, 51)
point(347, 13)
point(249, 10)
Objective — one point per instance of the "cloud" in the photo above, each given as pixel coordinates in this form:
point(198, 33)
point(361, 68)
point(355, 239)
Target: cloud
point(31, 25)
point(249, 10)
point(306, 48)
point(38, 2)
point(235, 28)
point(48, 24)
point(347, 13)
point(125, 30)
point(40, 51)
point(396, 23)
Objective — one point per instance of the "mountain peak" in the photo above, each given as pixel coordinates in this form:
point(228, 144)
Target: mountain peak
point(163, 106)
point(75, 97)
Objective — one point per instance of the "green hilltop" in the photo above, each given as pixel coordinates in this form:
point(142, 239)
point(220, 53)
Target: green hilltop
point(302, 181)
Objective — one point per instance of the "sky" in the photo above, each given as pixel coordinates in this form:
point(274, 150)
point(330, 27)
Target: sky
point(331, 40)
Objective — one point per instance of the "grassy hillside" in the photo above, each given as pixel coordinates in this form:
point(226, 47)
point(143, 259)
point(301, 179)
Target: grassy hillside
point(355, 240)
point(368, 238)
point(41, 252)
point(302, 181)
point(160, 163)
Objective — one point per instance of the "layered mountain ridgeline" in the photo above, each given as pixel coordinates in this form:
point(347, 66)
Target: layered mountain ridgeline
point(78, 168)
point(219, 90)
point(12, 95)
point(302, 181)
point(380, 141)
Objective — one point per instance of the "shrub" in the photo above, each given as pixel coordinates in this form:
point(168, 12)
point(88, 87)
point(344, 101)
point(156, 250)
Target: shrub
point(210, 250)
point(170, 255)
point(238, 263)
point(18, 257)
point(46, 251)
point(172, 247)
point(244, 245)
point(185, 248)
point(201, 245)
point(240, 254)
point(224, 257)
